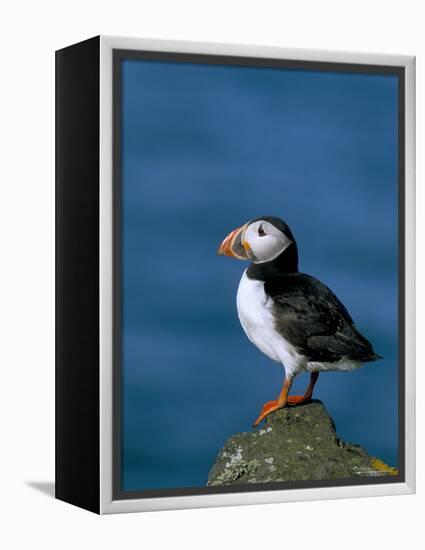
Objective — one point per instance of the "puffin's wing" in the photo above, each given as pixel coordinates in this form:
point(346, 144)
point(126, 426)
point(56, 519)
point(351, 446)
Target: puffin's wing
point(309, 315)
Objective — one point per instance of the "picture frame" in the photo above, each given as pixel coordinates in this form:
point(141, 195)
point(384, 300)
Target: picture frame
point(90, 213)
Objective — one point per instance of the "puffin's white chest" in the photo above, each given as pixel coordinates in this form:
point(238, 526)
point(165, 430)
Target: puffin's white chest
point(255, 315)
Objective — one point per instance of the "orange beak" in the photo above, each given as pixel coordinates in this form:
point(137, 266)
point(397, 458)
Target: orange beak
point(233, 245)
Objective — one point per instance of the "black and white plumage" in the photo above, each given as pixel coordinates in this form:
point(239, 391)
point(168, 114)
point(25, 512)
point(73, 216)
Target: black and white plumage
point(291, 317)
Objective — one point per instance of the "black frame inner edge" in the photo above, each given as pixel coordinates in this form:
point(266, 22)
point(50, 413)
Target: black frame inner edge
point(118, 57)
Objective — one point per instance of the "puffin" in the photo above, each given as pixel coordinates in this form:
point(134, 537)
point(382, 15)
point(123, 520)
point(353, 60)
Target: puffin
point(290, 316)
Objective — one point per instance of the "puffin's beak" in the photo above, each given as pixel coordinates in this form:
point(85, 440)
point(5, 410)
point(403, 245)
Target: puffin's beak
point(233, 244)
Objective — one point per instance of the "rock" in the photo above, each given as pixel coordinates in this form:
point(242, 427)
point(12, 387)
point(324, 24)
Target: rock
point(295, 443)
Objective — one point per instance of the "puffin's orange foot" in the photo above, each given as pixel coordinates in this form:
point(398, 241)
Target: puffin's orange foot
point(268, 408)
point(297, 399)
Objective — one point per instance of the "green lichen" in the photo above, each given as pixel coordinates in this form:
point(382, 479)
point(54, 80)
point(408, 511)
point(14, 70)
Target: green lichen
point(235, 471)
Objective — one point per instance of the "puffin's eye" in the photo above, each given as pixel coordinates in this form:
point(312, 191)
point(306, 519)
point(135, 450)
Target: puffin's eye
point(261, 231)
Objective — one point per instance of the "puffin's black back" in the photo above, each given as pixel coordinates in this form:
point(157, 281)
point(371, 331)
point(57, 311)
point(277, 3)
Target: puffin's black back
point(309, 315)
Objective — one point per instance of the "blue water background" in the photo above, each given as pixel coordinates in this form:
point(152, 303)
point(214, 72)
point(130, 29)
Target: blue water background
point(206, 148)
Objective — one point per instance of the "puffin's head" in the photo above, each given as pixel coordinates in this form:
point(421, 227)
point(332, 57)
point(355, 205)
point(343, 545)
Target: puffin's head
point(261, 240)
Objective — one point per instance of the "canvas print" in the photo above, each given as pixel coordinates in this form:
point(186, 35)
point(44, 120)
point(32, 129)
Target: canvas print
point(259, 264)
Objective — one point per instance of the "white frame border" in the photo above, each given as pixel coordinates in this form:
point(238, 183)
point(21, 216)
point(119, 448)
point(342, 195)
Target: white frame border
point(107, 504)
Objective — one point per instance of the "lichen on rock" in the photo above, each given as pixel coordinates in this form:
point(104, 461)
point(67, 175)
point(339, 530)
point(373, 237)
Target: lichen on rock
point(296, 443)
